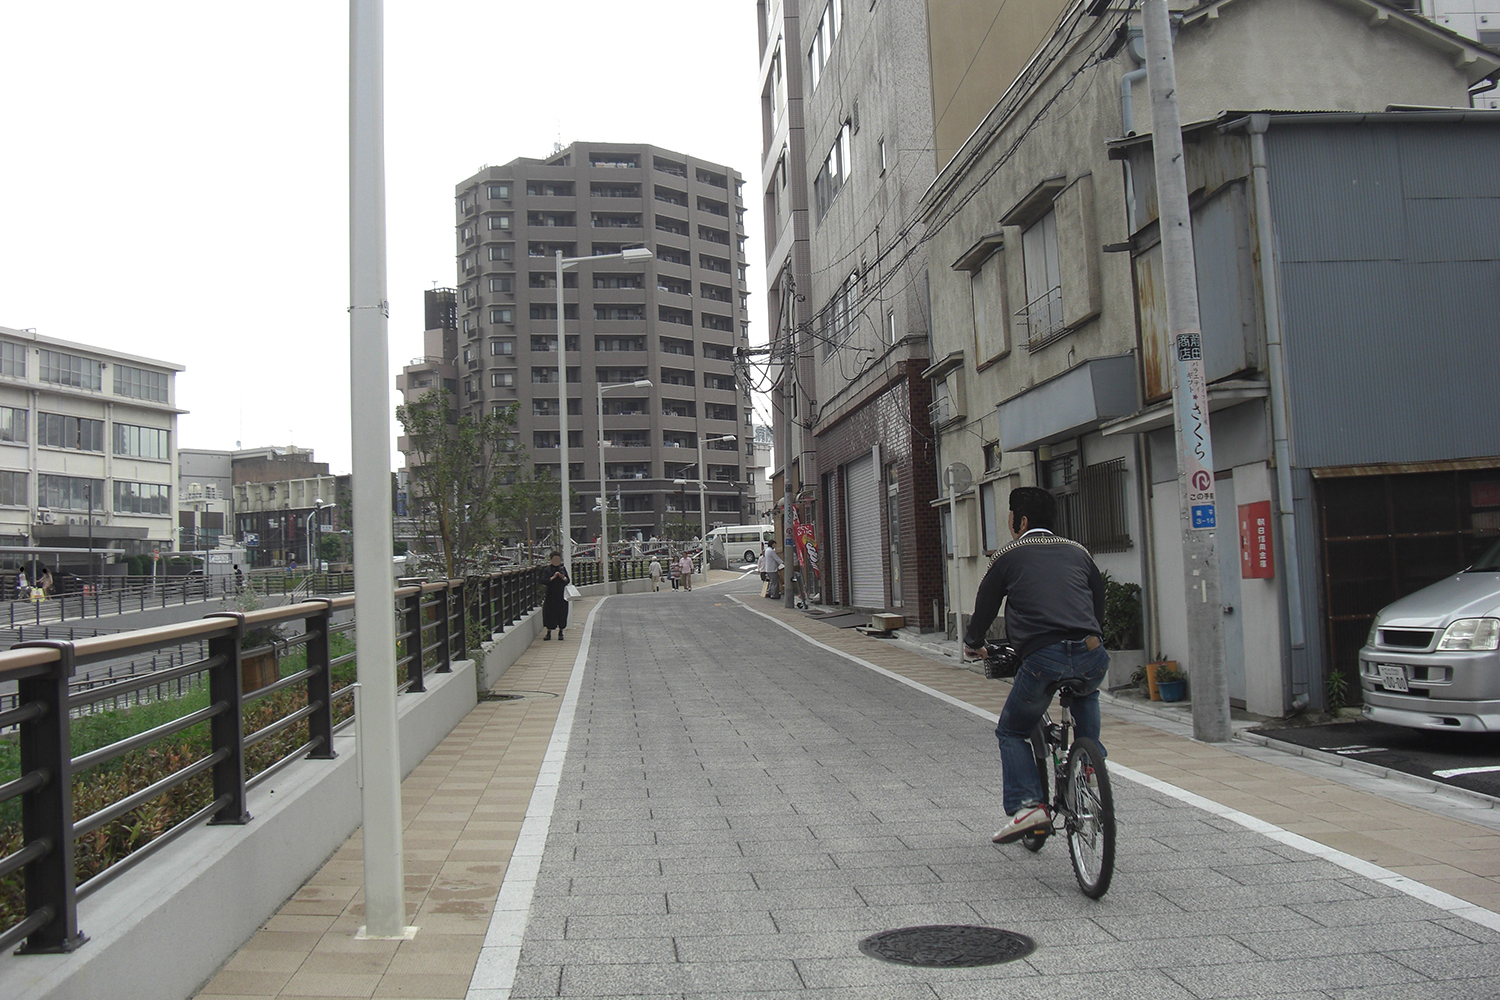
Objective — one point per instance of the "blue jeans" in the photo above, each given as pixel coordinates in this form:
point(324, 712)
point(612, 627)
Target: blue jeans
point(1027, 703)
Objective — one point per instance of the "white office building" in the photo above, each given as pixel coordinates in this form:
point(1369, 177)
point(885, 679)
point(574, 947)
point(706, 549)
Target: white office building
point(88, 452)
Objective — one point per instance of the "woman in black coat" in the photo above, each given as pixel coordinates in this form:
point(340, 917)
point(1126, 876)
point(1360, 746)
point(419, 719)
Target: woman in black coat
point(555, 607)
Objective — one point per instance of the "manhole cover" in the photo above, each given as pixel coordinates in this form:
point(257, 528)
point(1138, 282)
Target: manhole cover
point(947, 946)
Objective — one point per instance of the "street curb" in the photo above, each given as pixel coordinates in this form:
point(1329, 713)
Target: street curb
point(1374, 770)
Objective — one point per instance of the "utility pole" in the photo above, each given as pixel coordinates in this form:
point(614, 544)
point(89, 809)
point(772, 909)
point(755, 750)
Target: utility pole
point(788, 403)
point(1195, 457)
point(369, 376)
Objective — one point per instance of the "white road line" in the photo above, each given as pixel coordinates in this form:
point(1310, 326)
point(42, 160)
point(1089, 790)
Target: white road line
point(495, 973)
point(1456, 771)
point(1442, 900)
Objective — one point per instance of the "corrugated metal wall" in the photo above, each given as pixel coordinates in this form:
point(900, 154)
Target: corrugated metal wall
point(1389, 246)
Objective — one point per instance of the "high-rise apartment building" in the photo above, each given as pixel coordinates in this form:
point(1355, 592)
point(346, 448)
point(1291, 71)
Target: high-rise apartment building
point(678, 320)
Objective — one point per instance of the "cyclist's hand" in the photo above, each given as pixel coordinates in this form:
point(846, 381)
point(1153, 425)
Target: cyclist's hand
point(977, 653)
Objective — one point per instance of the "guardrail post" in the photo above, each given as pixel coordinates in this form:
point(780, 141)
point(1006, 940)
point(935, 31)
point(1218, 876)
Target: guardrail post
point(444, 599)
point(462, 615)
point(320, 684)
point(414, 641)
point(227, 729)
point(47, 812)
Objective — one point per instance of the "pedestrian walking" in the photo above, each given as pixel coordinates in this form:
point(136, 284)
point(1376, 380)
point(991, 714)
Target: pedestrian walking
point(770, 570)
point(555, 607)
point(655, 570)
point(45, 582)
point(23, 585)
point(676, 571)
point(1054, 609)
point(687, 572)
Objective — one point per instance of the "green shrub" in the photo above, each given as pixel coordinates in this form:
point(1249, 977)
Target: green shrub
point(1122, 614)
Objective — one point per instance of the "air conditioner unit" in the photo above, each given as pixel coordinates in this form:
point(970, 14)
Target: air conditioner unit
point(72, 520)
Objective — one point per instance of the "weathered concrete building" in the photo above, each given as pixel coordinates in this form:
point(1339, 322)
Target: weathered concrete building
point(1046, 291)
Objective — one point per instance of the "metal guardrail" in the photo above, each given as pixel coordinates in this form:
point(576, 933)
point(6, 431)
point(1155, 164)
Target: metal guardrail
point(433, 635)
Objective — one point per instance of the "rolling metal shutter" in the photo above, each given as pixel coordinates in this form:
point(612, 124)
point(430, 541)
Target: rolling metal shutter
point(866, 574)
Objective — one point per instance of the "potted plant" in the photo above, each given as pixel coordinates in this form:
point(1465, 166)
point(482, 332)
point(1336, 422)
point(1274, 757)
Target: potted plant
point(262, 667)
point(1171, 683)
point(1154, 669)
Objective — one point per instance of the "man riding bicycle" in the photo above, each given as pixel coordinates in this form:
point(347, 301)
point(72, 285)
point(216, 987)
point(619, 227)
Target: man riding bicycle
point(1052, 618)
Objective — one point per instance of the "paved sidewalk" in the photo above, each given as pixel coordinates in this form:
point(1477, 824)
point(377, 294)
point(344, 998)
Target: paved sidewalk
point(737, 807)
point(463, 807)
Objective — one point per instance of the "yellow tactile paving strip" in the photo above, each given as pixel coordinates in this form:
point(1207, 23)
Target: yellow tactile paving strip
point(1459, 858)
point(463, 808)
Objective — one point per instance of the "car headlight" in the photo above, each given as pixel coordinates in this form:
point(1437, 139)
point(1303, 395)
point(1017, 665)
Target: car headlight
point(1374, 633)
point(1472, 634)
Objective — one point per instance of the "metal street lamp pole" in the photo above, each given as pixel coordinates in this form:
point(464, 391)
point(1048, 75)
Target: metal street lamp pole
point(643, 383)
point(369, 378)
point(312, 522)
point(631, 255)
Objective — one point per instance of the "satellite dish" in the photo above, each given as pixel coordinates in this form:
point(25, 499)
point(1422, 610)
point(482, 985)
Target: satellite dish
point(959, 478)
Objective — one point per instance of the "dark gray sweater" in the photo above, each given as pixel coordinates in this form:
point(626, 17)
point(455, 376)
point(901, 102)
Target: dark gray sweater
point(1054, 588)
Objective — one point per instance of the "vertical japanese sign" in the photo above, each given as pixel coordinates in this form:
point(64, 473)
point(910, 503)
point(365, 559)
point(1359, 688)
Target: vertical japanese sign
point(1257, 558)
point(807, 549)
point(1196, 452)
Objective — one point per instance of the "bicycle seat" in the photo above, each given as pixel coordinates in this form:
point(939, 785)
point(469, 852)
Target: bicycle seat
point(1072, 687)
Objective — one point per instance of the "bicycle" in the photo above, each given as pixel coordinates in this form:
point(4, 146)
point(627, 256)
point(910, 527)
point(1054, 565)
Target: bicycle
point(1082, 804)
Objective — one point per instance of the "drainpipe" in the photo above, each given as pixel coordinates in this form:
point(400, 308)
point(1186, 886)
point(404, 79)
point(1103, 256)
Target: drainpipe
point(1276, 367)
point(1127, 121)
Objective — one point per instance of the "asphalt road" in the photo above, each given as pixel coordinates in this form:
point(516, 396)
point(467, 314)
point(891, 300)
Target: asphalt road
point(1439, 756)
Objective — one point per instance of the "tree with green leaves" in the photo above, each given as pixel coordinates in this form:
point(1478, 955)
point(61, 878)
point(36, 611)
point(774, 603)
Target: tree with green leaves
point(461, 473)
point(535, 506)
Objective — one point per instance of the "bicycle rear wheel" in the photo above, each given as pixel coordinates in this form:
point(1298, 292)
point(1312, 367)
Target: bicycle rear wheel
point(1091, 818)
point(1039, 750)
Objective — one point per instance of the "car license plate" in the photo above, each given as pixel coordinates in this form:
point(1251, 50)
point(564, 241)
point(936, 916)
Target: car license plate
point(1393, 677)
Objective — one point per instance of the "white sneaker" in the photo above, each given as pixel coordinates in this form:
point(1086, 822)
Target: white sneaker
point(1028, 819)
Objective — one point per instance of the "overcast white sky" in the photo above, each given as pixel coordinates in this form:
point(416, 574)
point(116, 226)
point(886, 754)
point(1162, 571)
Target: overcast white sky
point(174, 176)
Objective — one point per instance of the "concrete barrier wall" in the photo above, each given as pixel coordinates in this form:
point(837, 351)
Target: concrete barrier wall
point(160, 931)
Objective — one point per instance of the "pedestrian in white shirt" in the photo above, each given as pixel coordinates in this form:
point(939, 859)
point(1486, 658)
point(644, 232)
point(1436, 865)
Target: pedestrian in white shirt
point(655, 570)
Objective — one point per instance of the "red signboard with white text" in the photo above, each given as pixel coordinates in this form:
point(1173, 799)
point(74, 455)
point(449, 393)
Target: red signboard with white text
point(1257, 559)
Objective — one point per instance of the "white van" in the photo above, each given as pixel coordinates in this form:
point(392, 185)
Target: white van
point(739, 544)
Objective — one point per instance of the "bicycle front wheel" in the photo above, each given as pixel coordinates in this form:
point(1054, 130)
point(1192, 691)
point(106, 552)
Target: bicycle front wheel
point(1091, 818)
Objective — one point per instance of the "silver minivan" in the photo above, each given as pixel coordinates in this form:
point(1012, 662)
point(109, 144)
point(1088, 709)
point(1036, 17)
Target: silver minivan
point(1432, 660)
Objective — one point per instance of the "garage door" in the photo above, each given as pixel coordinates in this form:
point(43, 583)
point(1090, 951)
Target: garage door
point(866, 576)
point(1386, 536)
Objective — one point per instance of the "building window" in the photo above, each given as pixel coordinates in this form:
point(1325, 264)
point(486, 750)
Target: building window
point(13, 425)
point(499, 191)
point(834, 173)
point(142, 498)
point(893, 529)
point(989, 527)
point(1042, 316)
point(502, 348)
point(140, 383)
point(70, 369)
point(69, 493)
point(1090, 501)
point(57, 430)
point(500, 283)
point(987, 295)
point(890, 326)
point(502, 316)
point(500, 252)
point(13, 489)
point(822, 46)
point(141, 442)
point(499, 222)
point(502, 380)
point(12, 358)
point(880, 151)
